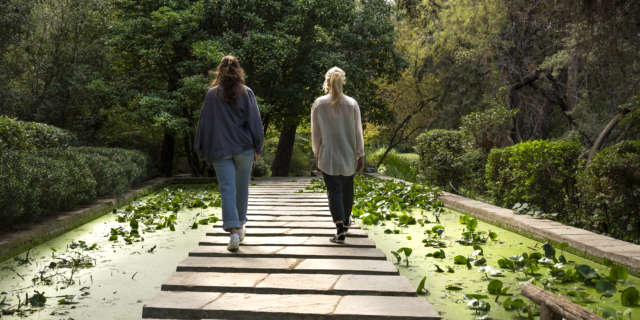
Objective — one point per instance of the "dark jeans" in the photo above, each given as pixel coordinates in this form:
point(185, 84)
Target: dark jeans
point(340, 193)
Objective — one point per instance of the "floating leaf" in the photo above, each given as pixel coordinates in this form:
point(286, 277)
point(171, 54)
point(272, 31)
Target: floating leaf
point(562, 245)
point(438, 269)
point(630, 297)
point(618, 273)
point(606, 287)
point(478, 248)
point(450, 270)
point(480, 262)
point(459, 259)
point(493, 236)
point(549, 251)
point(113, 238)
point(495, 286)
point(472, 224)
point(37, 300)
point(454, 287)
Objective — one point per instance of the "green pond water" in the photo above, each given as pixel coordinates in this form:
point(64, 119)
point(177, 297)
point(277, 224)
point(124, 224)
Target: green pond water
point(451, 304)
point(124, 276)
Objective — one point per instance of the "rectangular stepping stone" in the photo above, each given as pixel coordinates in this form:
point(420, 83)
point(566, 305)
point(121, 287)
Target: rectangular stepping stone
point(259, 217)
point(247, 306)
point(278, 283)
point(289, 200)
point(263, 212)
point(285, 208)
point(289, 204)
point(287, 265)
point(270, 232)
point(316, 196)
point(290, 252)
point(289, 241)
point(302, 225)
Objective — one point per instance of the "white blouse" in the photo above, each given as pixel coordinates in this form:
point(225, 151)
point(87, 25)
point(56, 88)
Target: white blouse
point(336, 134)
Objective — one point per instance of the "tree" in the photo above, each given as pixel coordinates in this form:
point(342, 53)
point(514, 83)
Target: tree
point(287, 46)
point(164, 51)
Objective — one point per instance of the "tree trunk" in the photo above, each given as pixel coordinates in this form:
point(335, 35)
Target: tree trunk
point(605, 133)
point(572, 82)
point(541, 129)
point(166, 155)
point(282, 161)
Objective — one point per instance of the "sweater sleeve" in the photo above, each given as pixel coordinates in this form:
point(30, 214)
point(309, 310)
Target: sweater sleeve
point(359, 134)
point(254, 122)
point(197, 142)
point(316, 133)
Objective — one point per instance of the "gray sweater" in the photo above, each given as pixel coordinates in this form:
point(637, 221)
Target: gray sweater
point(226, 130)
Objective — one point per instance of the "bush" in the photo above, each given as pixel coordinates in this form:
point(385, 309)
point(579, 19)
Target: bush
point(124, 169)
point(27, 136)
point(488, 127)
point(400, 168)
point(261, 169)
point(541, 173)
point(40, 182)
point(610, 187)
point(445, 158)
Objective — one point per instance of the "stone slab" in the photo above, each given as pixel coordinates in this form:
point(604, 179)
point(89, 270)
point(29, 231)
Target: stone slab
point(324, 204)
point(301, 225)
point(264, 283)
point(314, 196)
point(265, 212)
point(373, 308)
point(270, 232)
point(287, 265)
point(241, 306)
point(290, 252)
point(259, 217)
point(289, 200)
point(284, 208)
point(289, 241)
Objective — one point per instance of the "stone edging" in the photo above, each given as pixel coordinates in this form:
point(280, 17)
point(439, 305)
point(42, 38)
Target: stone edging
point(585, 243)
point(14, 243)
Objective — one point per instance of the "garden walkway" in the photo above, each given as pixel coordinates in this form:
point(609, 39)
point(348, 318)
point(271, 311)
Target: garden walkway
point(286, 268)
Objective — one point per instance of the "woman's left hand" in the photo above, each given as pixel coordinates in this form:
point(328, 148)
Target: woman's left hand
point(256, 156)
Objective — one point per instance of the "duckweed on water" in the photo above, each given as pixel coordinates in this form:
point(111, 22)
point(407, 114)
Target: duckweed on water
point(470, 269)
point(112, 264)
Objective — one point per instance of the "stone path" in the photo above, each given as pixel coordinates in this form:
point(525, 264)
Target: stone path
point(287, 268)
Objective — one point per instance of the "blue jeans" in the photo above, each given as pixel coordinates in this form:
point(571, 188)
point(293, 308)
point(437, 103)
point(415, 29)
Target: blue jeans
point(234, 175)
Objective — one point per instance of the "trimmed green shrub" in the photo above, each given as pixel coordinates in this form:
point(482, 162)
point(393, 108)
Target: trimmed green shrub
point(400, 168)
point(541, 173)
point(372, 158)
point(446, 159)
point(27, 136)
point(40, 182)
point(131, 166)
point(610, 187)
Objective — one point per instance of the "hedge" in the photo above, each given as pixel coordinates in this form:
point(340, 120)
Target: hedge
point(610, 188)
point(540, 173)
point(40, 182)
point(29, 136)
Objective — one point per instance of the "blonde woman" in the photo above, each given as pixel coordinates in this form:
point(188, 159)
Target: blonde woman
point(338, 144)
point(229, 138)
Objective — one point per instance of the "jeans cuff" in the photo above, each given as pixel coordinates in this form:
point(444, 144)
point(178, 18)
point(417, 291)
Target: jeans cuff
point(226, 225)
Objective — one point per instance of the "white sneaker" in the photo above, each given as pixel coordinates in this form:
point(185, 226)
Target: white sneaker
point(241, 234)
point(234, 244)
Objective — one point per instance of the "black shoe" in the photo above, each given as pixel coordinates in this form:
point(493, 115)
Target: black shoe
point(338, 238)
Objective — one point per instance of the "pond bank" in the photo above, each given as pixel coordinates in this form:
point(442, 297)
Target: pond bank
point(14, 243)
point(586, 244)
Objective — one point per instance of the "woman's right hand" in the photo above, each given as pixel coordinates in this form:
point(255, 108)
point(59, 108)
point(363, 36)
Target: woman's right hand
point(360, 165)
point(256, 156)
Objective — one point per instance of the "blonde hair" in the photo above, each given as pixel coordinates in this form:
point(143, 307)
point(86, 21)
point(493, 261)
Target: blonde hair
point(334, 79)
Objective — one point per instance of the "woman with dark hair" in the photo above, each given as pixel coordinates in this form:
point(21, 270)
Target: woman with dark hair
point(229, 138)
point(338, 144)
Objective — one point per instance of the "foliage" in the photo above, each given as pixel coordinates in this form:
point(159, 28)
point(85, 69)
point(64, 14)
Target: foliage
point(373, 157)
point(541, 173)
point(446, 159)
point(610, 187)
point(28, 136)
point(116, 170)
point(400, 167)
point(489, 127)
point(41, 182)
point(46, 181)
point(261, 169)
